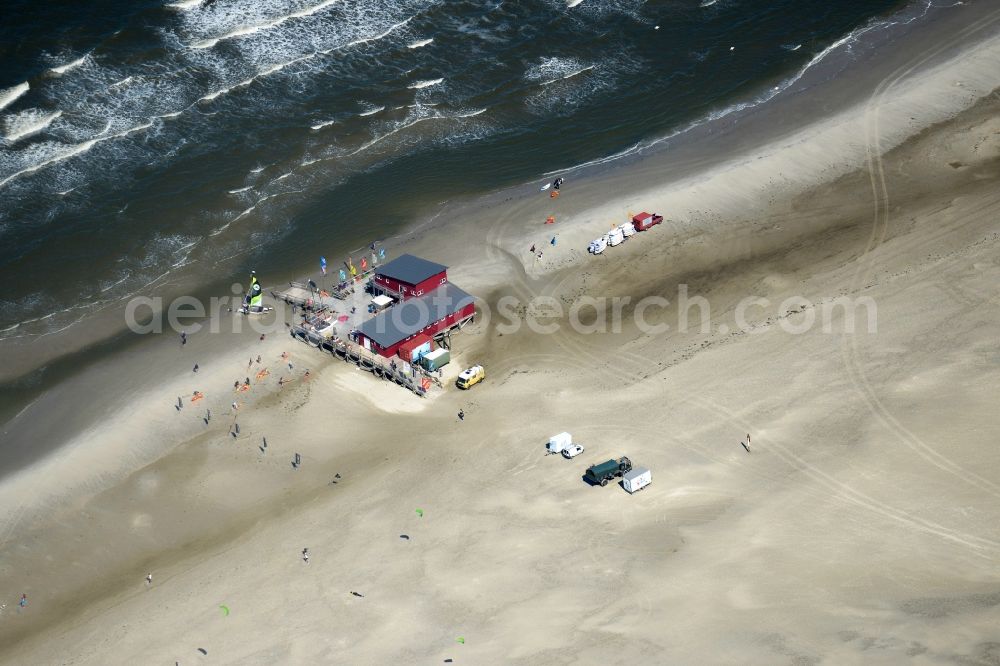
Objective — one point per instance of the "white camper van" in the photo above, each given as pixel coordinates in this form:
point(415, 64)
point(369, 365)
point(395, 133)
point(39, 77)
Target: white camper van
point(559, 442)
point(616, 237)
point(598, 246)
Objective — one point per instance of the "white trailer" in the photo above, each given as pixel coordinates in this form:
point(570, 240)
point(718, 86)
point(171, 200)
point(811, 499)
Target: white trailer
point(627, 229)
point(637, 479)
point(559, 442)
point(616, 237)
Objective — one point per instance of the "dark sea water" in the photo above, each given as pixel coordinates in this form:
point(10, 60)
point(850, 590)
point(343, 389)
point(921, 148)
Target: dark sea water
point(144, 143)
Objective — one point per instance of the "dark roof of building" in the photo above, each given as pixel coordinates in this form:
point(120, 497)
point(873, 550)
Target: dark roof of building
point(412, 315)
point(410, 269)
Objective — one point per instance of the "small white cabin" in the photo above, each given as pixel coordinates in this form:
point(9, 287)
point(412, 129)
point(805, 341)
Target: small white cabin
point(559, 442)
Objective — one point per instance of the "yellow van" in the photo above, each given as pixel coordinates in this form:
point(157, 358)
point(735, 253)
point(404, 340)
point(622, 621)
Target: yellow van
point(471, 377)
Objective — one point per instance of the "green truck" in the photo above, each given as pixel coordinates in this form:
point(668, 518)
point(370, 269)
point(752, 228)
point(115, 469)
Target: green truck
point(607, 471)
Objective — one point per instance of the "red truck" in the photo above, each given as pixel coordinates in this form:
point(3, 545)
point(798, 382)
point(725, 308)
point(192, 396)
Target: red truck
point(644, 221)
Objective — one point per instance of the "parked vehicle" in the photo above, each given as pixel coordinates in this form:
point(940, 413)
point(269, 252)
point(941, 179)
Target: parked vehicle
point(627, 229)
point(572, 451)
point(559, 442)
point(598, 246)
point(644, 221)
point(615, 237)
point(470, 377)
point(607, 471)
point(637, 479)
point(436, 359)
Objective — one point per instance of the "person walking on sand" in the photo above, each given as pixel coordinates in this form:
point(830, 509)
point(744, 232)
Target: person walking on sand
point(184, 338)
point(149, 579)
point(305, 555)
point(461, 415)
point(24, 601)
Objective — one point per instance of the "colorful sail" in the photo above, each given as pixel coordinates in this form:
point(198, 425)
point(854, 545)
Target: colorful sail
point(256, 293)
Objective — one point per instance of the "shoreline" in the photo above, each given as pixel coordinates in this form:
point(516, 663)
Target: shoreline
point(780, 231)
point(98, 332)
point(711, 159)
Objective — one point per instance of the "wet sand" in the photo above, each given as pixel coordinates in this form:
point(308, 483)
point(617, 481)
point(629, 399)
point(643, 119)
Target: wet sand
point(861, 527)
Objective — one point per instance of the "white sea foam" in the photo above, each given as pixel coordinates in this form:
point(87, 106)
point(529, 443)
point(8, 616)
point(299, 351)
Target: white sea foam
point(572, 3)
point(27, 123)
point(218, 93)
point(569, 75)
point(242, 189)
point(791, 47)
point(8, 95)
point(548, 70)
point(325, 123)
point(371, 112)
point(470, 114)
point(121, 83)
point(267, 25)
point(57, 154)
point(183, 5)
point(707, 3)
point(373, 38)
point(110, 285)
point(422, 42)
point(425, 84)
point(52, 153)
point(379, 139)
point(62, 69)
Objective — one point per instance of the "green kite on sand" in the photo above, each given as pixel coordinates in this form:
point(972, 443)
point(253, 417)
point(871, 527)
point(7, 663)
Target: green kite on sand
point(420, 512)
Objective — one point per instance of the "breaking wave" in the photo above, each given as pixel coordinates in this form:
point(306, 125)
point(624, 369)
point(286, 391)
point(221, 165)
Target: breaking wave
point(9, 95)
point(62, 69)
point(425, 84)
point(27, 123)
point(267, 25)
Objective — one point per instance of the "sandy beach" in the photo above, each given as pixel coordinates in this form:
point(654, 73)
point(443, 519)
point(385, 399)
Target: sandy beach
point(859, 526)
